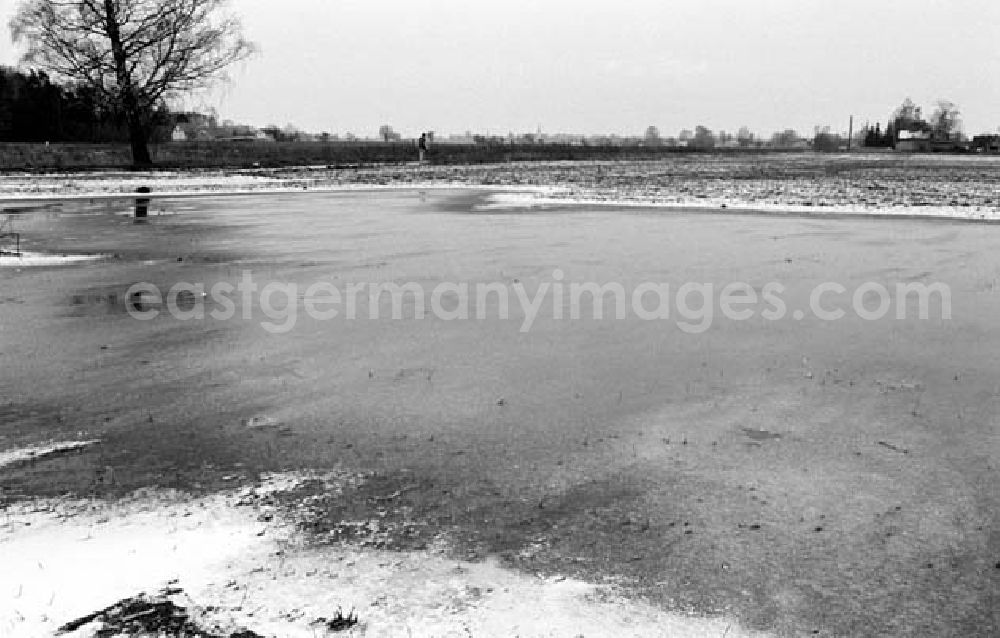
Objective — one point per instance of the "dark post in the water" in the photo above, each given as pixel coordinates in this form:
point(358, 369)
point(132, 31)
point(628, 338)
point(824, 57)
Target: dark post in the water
point(142, 203)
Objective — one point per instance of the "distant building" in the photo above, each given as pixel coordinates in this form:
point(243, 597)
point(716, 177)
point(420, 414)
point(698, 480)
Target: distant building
point(914, 141)
point(197, 127)
point(986, 144)
point(949, 146)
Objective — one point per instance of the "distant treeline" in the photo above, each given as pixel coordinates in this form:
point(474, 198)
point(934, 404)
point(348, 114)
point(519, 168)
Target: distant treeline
point(249, 154)
point(35, 109)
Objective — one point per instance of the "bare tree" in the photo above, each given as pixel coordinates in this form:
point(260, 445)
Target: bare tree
point(947, 120)
point(652, 136)
point(387, 133)
point(703, 138)
point(136, 53)
point(907, 111)
point(908, 117)
point(785, 139)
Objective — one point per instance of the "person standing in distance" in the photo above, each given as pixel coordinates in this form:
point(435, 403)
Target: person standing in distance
point(422, 146)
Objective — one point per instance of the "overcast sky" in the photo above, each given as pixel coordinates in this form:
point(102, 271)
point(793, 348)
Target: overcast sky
point(598, 66)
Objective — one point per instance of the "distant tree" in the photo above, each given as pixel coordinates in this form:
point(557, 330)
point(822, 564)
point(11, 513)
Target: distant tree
point(884, 136)
point(946, 121)
point(785, 139)
point(136, 53)
point(744, 137)
point(908, 117)
point(875, 137)
point(825, 140)
point(34, 108)
point(652, 136)
point(387, 133)
point(906, 112)
point(275, 133)
point(872, 136)
point(292, 133)
point(868, 137)
point(703, 138)
point(889, 139)
point(685, 136)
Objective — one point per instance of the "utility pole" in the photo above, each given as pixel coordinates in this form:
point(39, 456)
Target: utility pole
point(850, 135)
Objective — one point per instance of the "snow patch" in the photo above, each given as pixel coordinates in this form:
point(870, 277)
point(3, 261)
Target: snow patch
point(31, 259)
point(555, 196)
point(38, 452)
point(241, 565)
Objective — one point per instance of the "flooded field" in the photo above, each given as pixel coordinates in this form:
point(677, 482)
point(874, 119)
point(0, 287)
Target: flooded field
point(801, 474)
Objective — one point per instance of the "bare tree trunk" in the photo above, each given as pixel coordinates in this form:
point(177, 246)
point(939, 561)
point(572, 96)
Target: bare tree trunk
point(138, 139)
point(134, 115)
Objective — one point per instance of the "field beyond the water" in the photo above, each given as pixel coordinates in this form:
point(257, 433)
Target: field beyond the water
point(244, 154)
point(958, 187)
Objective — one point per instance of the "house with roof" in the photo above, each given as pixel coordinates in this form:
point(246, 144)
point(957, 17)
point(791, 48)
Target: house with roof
point(915, 140)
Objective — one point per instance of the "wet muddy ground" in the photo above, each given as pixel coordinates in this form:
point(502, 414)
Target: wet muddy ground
point(811, 477)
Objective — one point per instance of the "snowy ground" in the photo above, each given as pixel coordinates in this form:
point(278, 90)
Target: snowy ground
point(236, 562)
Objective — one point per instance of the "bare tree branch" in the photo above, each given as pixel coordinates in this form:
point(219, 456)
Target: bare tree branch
point(137, 53)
